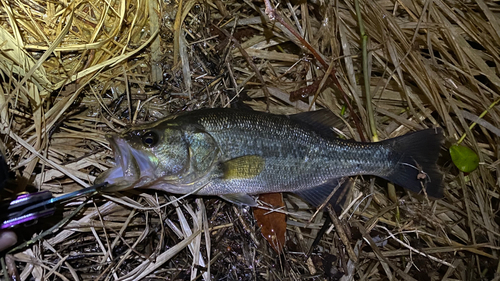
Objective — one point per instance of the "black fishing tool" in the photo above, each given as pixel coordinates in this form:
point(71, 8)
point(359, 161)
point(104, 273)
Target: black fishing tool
point(29, 207)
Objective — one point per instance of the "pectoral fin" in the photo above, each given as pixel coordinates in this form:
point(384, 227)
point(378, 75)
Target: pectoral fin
point(239, 199)
point(244, 167)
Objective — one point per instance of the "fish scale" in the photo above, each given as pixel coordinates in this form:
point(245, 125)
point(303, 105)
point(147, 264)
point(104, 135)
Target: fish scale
point(285, 144)
point(232, 153)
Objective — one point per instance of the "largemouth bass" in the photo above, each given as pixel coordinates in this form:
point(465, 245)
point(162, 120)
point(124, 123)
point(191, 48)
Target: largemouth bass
point(237, 153)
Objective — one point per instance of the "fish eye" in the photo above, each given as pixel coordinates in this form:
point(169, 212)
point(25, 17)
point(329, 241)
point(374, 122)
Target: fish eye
point(150, 138)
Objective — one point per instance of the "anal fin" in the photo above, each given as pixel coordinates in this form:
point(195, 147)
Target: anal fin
point(318, 195)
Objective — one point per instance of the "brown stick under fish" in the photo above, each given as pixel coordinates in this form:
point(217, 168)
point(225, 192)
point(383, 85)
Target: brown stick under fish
point(237, 153)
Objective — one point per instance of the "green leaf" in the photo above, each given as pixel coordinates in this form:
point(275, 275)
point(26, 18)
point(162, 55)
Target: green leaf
point(464, 158)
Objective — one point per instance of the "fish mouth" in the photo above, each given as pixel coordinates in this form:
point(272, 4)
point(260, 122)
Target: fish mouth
point(133, 168)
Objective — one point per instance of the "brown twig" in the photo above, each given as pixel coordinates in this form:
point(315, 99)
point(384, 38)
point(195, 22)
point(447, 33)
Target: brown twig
point(379, 254)
point(250, 62)
point(274, 15)
point(340, 231)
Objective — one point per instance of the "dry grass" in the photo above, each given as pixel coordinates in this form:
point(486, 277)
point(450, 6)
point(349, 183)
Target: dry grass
point(72, 71)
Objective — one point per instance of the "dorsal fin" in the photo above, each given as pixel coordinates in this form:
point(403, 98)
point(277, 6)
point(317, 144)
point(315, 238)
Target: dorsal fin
point(320, 121)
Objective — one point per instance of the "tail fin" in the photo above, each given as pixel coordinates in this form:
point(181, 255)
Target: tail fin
point(416, 155)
